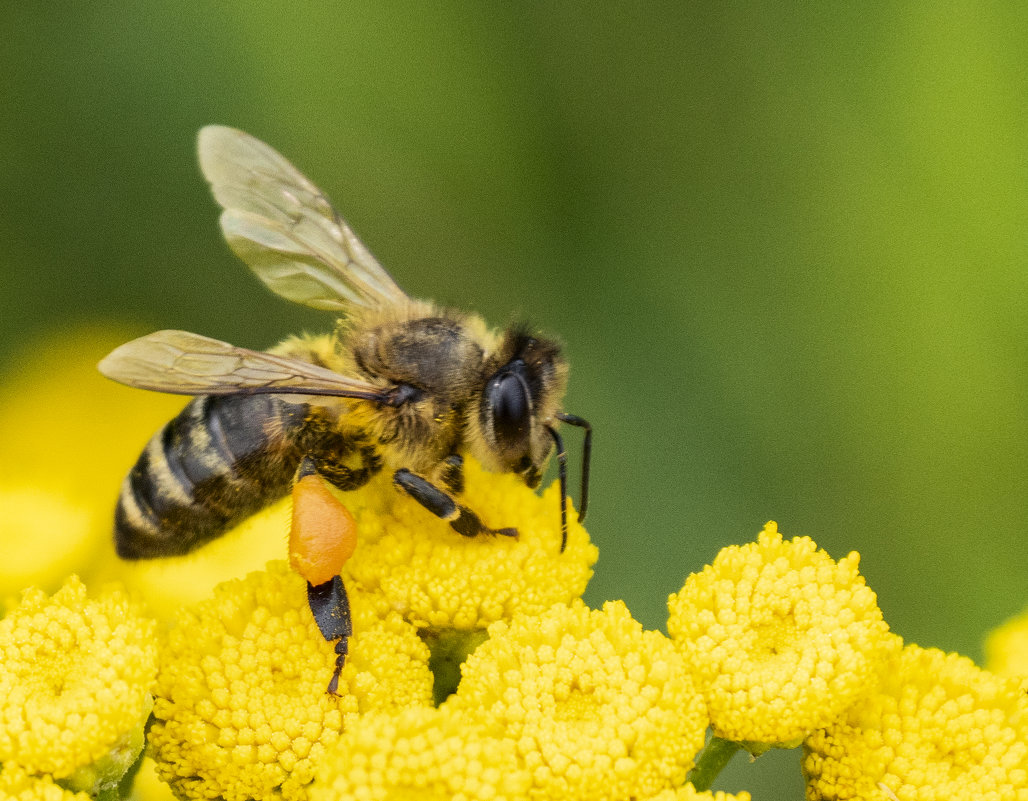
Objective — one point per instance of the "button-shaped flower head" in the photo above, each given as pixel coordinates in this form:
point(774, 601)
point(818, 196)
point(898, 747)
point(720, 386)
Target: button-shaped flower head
point(75, 683)
point(938, 728)
point(242, 709)
point(780, 637)
point(595, 707)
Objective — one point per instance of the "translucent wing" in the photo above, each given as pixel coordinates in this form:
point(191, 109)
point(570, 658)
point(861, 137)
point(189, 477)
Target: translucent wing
point(286, 230)
point(190, 364)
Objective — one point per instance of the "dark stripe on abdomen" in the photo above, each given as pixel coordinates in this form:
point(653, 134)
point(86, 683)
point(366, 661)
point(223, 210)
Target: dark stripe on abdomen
point(219, 461)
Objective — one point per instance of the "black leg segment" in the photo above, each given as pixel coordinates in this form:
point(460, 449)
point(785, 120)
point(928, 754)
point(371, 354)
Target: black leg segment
point(587, 449)
point(331, 610)
point(562, 474)
point(461, 519)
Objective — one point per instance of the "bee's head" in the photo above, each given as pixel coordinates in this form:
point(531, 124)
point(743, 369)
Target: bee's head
point(526, 381)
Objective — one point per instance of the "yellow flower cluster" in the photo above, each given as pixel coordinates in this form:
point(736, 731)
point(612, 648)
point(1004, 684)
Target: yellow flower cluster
point(16, 784)
point(570, 704)
point(780, 638)
point(1006, 647)
point(242, 710)
point(595, 707)
point(772, 644)
point(74, 683)
point(433, 577)
point(415, 563)
point(937, 728)
point(421, 754)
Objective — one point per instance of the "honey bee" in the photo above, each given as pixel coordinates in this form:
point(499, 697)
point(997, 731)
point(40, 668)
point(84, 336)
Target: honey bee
point(401, 385)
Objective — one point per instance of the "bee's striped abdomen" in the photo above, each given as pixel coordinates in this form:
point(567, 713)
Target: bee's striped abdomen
point(220, 460)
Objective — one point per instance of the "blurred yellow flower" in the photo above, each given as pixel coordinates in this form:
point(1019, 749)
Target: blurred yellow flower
point(68, 436)
point(65, 427)
point(18, 785)
point(170, 583)
point(595, 707)
point(242, 710)
point(74, 684)
point(938, 728)
point(422, 754)
point(1006, 647)
point(436, 578)
point(780, 638)
point(31, 516)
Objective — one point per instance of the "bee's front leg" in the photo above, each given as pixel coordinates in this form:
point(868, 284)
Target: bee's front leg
point(461, 519)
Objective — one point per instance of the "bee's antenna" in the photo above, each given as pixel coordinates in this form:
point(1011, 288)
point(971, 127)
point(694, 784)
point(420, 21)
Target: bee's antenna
point(587, 448)
point(562, 471)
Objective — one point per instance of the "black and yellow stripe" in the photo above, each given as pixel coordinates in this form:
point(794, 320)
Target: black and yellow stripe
point(220, 460)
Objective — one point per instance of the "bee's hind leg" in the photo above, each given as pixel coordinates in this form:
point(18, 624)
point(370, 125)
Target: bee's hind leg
point(461, 519)
point(331, 609)
point(322, 536)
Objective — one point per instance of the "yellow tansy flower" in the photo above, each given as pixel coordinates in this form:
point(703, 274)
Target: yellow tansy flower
point(436, 578)
point(74, 684)
point(18, 785)
point(938, 728)
point(421, 754)
point(1006, 647)
point(780, 638)
point(596, 707)
point(242, 710)
point(689, 793)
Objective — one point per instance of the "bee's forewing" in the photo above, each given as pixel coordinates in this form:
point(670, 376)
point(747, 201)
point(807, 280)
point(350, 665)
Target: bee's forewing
point(286, 230)
point(189, 364)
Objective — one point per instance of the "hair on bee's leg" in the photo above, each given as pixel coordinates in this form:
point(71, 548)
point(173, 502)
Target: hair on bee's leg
point(453, 473)
point(331, 609)
point(461, 519)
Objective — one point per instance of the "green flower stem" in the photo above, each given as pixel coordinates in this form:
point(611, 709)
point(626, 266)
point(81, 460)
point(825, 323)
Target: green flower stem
point(449, 648)
point(711, 761)
point(109, 794)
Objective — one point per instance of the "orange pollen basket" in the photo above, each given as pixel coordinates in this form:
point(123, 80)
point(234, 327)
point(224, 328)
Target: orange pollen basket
point(323, 533)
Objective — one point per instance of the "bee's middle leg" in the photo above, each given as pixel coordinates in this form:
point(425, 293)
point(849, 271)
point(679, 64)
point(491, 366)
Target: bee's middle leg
point(461, 519)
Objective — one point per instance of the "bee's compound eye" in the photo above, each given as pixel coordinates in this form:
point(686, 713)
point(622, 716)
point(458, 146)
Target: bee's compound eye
point(510, 407)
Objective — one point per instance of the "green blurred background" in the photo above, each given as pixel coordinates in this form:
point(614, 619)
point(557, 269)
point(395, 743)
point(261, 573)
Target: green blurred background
point(786, 246)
